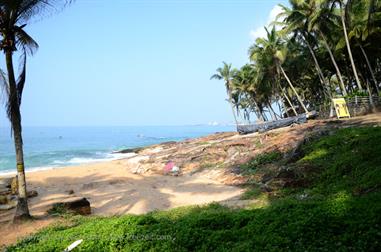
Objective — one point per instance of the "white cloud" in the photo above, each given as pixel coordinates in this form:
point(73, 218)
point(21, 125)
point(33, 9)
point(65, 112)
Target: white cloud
point(260, 31)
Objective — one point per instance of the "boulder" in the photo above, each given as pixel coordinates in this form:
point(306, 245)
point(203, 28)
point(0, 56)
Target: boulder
point(5, 185)
point(77, 206)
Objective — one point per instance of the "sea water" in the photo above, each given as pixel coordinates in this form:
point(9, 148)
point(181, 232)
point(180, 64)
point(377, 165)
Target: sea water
point(52, 147)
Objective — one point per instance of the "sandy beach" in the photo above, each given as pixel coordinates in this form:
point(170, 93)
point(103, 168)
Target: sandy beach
point(113, 189)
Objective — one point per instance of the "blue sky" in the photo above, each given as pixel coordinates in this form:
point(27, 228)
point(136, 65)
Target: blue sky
point(137, 62)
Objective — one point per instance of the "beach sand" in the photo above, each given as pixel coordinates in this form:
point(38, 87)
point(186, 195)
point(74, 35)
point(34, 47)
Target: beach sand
point(113, 189)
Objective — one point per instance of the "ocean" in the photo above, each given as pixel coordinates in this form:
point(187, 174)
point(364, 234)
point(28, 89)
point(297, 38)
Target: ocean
point(52, 147)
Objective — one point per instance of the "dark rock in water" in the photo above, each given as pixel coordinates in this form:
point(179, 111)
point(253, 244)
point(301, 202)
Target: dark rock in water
point(131, 150)
point(32, 194)
point(77, 206)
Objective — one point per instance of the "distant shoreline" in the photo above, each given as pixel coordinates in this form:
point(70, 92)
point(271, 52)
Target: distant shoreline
point(9, 173)
point(54, 148)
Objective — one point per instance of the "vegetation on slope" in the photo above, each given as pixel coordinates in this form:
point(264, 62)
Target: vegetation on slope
point(338, 209)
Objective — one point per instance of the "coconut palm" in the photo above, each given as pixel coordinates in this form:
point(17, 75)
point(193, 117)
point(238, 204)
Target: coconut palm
point(340, 37)
point(244, 82)
point(363, 17)
point(226, 73)
point(321, 21)
point(272, 48)
point(14, 16)
point(294, 21)
point(343, 8)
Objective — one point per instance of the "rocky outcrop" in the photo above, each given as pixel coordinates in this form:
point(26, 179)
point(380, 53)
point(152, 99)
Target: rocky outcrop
point(8, 193)
point(76, 206)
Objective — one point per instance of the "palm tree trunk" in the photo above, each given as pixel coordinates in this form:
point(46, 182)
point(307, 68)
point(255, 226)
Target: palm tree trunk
point(279, 107)
point(271, 111)
point(293, 89)
point(349, 49)
point(232, 106)
point(262, 113)
point(284, 108)
point(370, 68)
point(373, 108)
point(325, 43)
point(318, 68)
point(258, 112)
point(22, 210)
point(289, 102)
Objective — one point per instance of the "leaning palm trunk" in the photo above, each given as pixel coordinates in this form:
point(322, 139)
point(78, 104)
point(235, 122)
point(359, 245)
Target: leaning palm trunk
point(325, 43)
point(22, 210)
point(370, 96)
point(349, 49)
point(283, 107)
point(370, 68)
point(271, 111)
point(258, 112)
point(232, 106)
point(289, 101)
point(293, 89)
point(318, 68)
point(280, 108)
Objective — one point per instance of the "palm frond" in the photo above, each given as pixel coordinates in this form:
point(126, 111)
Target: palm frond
point(26, 42)
point(4, 87)
point(21, 79)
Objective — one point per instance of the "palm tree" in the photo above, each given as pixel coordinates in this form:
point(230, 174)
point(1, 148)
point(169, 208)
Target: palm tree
point(14, 15)
point(342, 16)
point(295, 20)
point(244, 81)
point(319, 19)
point(363, 17)
point(273, 48)
point(226, 73)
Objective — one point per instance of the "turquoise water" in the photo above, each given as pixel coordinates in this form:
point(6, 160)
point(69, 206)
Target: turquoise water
point(50, 147)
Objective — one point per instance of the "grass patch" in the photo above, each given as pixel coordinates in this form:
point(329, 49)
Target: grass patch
point(349, 160)
point(339, 210)
point(260, 160)
point(251, 193)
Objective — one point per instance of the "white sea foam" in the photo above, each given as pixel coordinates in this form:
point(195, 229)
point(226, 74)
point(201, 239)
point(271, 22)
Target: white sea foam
point(108, 157)
point(6, 173)
point(73, 161)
